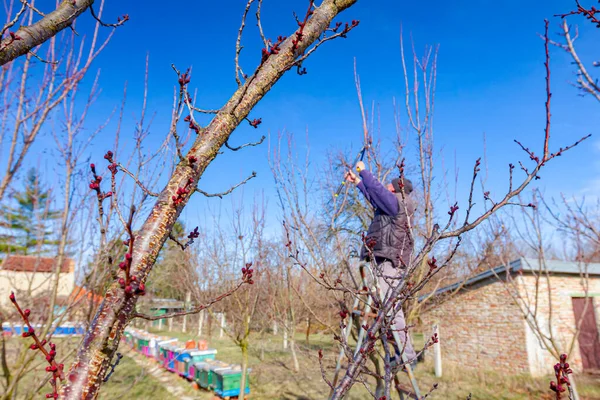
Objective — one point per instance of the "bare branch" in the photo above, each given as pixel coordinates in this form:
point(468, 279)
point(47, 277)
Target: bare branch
point(119, 20)
point(220, 195)
point(195, 310)
point(260, 29)
point(262, 139)
point(41, 59)
point(11, 23)
point(342, 34)
point(144, 189)
point(239, 47)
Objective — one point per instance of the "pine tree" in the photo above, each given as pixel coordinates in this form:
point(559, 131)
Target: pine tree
point(170, 267)
point(26, 223)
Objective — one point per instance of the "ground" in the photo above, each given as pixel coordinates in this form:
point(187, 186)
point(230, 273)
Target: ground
point(137, 377)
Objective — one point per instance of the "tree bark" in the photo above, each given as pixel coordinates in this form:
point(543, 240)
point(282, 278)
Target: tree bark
point(36, 34)
point(102, 338)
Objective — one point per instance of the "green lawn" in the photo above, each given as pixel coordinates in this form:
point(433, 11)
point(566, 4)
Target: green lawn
point(272, 375)
point(129, 380)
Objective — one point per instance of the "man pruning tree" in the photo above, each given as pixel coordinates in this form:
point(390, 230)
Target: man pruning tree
point(389, 238)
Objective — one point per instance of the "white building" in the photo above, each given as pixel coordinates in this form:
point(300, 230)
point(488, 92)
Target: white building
point(34, 276)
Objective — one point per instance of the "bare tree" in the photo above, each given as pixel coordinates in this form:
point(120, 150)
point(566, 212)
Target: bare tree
point(32, 90)
point(402, 289)
point(118, 308)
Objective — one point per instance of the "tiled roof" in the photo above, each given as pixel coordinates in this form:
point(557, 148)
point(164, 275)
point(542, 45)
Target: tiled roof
point(35, 264)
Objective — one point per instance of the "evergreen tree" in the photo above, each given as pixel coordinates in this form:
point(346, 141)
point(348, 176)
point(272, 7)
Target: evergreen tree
point(171, 266)
point(26, 223)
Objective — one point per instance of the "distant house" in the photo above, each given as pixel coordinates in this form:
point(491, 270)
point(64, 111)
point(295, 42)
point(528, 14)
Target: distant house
point(81, 303)
point(482, 326)
point(34, 276)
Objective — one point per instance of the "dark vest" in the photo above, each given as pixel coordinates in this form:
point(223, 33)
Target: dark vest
point(388, 235)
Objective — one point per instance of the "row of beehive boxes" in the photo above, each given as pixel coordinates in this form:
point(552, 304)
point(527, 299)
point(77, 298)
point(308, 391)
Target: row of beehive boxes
point(191, 360)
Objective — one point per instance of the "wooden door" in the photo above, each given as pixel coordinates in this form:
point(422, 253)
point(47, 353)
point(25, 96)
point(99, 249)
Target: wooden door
point(589, 337)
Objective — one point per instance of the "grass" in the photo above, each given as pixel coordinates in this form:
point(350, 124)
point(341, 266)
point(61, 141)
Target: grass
point(128, 381)
point(132, 381)
point(272, 375)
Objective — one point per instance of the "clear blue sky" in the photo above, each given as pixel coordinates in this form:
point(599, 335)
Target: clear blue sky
point(490, 79)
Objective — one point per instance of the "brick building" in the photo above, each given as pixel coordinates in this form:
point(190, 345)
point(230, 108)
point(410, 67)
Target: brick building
point(482, 323)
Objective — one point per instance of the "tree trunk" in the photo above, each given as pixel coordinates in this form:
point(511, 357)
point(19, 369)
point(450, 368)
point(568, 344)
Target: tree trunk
point(294, 355)
point(200, 322)
point(222, 331)
point(188, 297)
point(114, 314)
point(307, 330)
point(244, 347)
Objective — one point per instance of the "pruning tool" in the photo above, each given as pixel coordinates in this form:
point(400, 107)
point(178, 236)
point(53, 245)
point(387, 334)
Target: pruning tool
point(359, 157)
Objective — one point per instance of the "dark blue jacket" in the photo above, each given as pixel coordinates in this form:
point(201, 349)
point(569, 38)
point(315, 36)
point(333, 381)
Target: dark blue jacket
point(389, 233)
point(377, 194)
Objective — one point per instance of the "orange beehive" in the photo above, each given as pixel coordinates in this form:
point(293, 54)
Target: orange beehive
point(190, 344)
point(202, 345)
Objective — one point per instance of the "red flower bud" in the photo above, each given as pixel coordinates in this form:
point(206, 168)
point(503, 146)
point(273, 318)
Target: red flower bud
point(12, 297)
point(128, 256)
point(34, 347)
point(27, 312)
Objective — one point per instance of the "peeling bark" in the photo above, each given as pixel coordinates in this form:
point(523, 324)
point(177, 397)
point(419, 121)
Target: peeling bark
point(102, 339)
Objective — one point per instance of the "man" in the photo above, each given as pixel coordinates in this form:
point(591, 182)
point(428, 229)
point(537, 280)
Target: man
point(389, 239)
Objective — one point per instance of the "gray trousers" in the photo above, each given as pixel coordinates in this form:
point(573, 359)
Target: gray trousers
point(387, 270)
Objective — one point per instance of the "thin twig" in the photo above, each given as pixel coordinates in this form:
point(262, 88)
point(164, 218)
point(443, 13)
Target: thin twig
point(119, 20)
point(195, 310)
point(245, 145)
point(144, 189)
point(260, 29)
point(112, 368)
point(220, 195)
point(239, 47)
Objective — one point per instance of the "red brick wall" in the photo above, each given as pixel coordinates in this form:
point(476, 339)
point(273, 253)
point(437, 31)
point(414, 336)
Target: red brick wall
point(480, 328)
point(483, 327)
point(562, 319)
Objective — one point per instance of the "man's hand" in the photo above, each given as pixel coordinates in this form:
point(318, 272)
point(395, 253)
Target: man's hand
point(360, 166)
point(352, 178)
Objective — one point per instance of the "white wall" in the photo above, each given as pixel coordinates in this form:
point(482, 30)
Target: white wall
point(34, 283)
